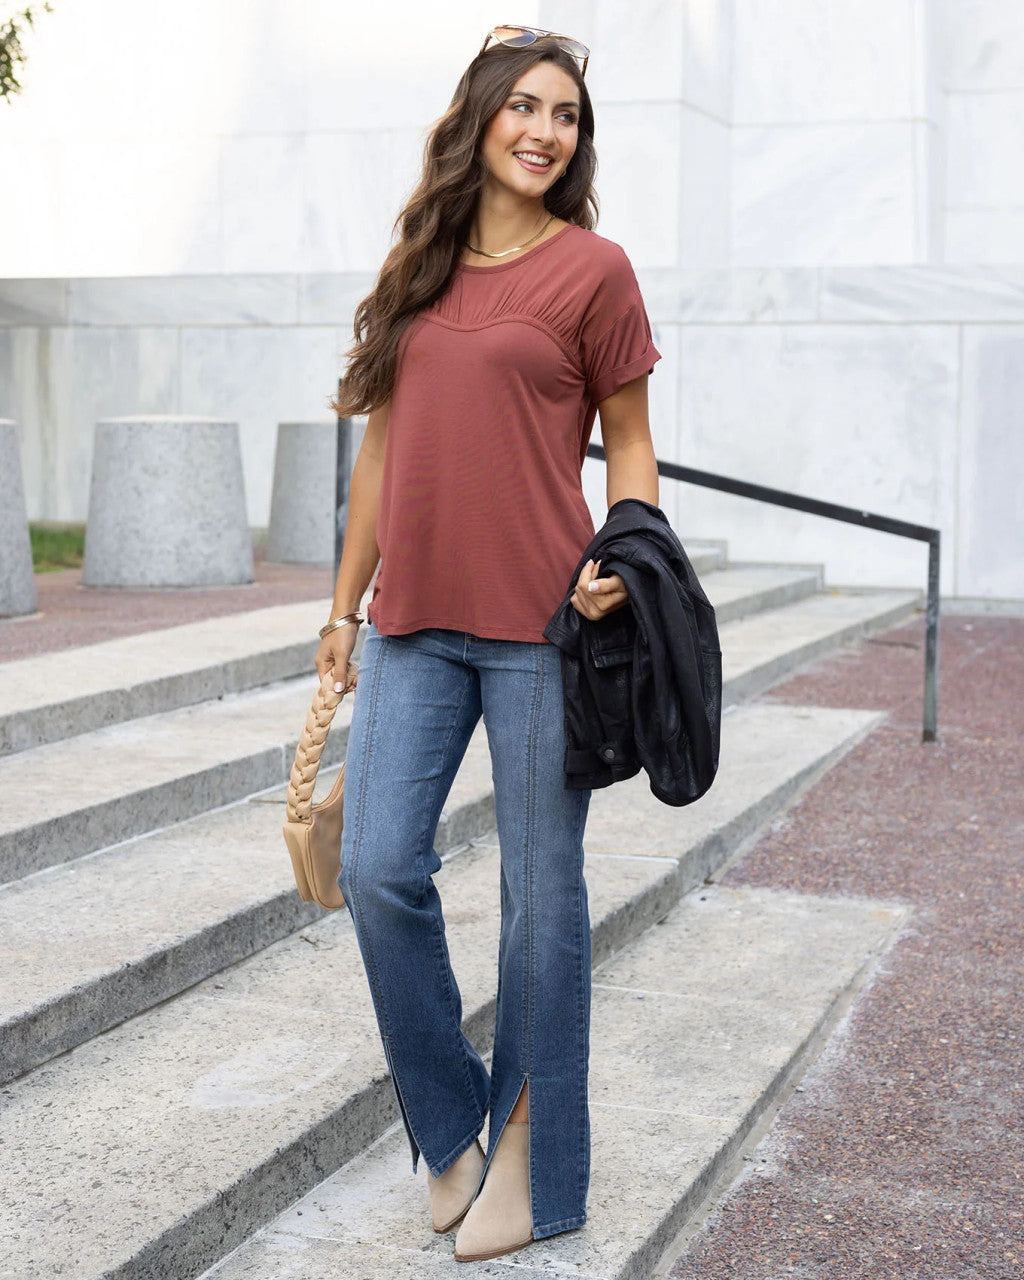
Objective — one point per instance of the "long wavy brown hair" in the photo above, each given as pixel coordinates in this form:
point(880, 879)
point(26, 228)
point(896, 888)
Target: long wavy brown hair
point(435, 222)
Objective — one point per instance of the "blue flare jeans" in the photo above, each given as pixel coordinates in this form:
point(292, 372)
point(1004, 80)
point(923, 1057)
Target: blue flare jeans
point(418, 699)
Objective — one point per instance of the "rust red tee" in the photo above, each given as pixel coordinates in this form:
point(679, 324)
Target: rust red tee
point(482, 516)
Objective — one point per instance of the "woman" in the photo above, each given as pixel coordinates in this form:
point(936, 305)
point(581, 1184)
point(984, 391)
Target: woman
point(499, 325)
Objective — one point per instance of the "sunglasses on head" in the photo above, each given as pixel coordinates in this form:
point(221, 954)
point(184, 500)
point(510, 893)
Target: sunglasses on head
point(516, 37)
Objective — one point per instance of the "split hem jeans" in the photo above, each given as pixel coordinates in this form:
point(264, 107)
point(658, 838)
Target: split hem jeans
point(417, 702)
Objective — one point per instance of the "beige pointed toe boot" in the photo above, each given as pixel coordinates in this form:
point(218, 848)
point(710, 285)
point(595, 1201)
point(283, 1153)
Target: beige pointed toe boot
point(451, 1193)
point(499, 1219)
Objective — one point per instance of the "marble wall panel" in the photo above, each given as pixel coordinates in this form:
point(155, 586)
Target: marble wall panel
point(705, 199)
point(263, 207)
point(802, 61)
point(637, 53)
point(850, 396)
point(983, 46)
point(856, 414)
point(928, 60)
point(574, 17)
point(928, 141)
point(33, 209)
point(984, 235)
point(708, 56)
point(194, 67)
point(29, 302)
point(991, 482)
point(824, 194)
point(331, 297)
point(986, 143)
point(143, 206)
point(639, 149)
point(904, 294)
point(41, 404)
point(742, 295)
point(178, 300)
point(7, 392)
point(355, 185)
point(383, 67)
point(258, 378)
point(265, 42)
point(66, 378)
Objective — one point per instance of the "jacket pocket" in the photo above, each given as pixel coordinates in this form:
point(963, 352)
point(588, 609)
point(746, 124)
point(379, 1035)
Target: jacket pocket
point(612, 640)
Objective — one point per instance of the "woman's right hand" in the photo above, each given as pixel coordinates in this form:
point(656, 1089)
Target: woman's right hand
point(336, 651)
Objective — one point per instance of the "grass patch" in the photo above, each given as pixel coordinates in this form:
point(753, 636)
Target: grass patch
point(56, 546)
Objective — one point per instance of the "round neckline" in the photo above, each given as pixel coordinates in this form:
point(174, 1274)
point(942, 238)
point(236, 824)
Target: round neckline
point(505, 266)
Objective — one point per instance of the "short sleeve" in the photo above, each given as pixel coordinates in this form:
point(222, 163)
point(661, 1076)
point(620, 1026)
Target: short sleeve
point(616, 342)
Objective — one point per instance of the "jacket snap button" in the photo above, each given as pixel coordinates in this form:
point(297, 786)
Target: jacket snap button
point(609, 753)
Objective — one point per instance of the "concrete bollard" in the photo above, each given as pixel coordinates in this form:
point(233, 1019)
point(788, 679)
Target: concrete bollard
point(302, 504)
point(167, 505)
point(17, 579)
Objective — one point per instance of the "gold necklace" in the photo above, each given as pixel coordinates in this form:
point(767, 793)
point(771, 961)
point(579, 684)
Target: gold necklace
point(505, 252)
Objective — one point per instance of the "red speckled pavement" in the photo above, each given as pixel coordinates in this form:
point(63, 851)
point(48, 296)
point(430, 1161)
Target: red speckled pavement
point(70, 615)
point(903, 1156)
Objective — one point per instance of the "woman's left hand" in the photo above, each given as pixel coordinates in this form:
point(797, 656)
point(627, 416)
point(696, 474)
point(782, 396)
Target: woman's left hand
point(595, 597)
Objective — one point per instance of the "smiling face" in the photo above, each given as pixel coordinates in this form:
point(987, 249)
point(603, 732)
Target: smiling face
point(540, 118)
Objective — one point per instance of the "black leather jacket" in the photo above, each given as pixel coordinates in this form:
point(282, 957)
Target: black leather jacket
point(643, 686)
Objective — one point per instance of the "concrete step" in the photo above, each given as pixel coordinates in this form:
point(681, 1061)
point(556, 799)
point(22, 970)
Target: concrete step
point(742, 590)
point(71, 798)
point(170, 1138)
point(760, 650)
point(706, 556)
point(59, 695)
point(145, 919)
point(698, 1030)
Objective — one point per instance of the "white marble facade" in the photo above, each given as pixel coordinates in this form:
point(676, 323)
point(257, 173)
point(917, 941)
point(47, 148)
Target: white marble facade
point(899, 390)
point(731, 132)
point(819, 196)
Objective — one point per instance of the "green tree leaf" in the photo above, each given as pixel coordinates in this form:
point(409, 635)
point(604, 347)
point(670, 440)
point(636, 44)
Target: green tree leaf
point(12, 56)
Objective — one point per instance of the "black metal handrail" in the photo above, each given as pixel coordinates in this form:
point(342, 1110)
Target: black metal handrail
point(848, 515)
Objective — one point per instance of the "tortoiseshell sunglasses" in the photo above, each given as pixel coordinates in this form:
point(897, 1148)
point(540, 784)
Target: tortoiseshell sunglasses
point(518, 37)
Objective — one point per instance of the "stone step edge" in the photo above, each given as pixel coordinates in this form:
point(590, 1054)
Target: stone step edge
point(762, 676)
point(164, 803)
point(225, 1221)
point(672, 1235)
point(802, 584)
point(57, 1026)
point(69, 715)
point(669, 1233)
point(180, 799)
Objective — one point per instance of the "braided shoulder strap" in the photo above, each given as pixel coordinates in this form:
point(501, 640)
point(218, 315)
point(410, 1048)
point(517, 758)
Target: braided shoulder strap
point(311, 746)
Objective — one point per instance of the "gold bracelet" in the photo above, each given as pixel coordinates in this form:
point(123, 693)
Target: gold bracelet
point(339, 622)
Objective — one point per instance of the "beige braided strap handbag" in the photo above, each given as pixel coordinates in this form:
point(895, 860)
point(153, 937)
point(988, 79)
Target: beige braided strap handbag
point(313, 831)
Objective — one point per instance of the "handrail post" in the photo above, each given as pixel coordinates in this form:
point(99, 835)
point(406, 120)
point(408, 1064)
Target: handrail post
point(931, 643)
